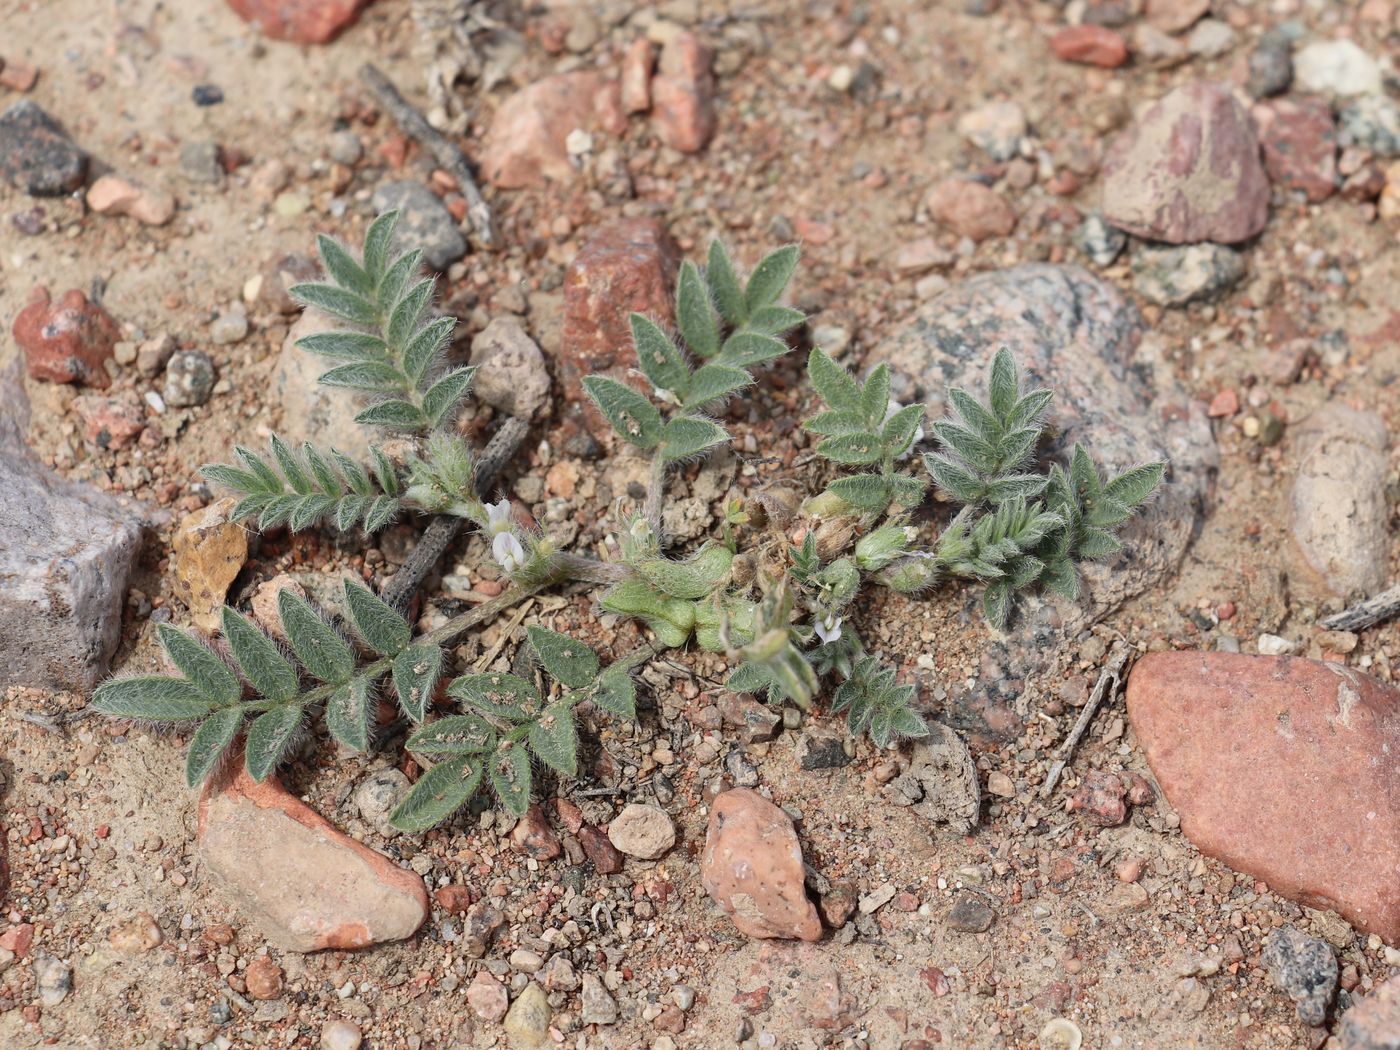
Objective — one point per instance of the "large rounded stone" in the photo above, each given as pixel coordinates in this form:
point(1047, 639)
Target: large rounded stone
point(1188, 170)
point(1114, 393)
point(323, 415)
point(1284, 769)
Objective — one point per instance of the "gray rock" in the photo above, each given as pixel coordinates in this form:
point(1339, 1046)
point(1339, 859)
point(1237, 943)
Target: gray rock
point(512, 375)
point(1305, 969)
point(53, 978)
point(1114, 392)
point(1337, 67)
point(323, 415)
point(65, 560)
point(1188, 274)
point(424, 222)
point(189, 379)
point(1371, 122)
point(996, 127)
point(1339, 512)
point(1210, 38)
point(941, 782)
point(35, 153)
point(970, 914)
point(378, 795)
point(199, 162)
point(345, 148)
point(821, 751)
point(1099, 241)
point(642, 831)
point(1270, 67)
point(598, 1006)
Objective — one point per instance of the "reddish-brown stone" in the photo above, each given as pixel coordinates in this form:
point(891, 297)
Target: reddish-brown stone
point(606, 857)
point(68, 341)
point(527, 142)
point(624, 266)
point(454, 898)
point(1090, 45)
point(683, 94)
point(1188, 171)
point(1100, 797)
point(299, 21)
point(308, 885)
point(533, 836)
point(1284, 769)
point(970, 209)
point(752, 866)
point(1299, 138)
point(635, 79)
point(112, 423)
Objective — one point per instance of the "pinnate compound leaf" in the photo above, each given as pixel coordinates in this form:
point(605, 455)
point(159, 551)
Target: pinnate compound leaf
point(200, 666)
point(378, 622)
point(439, 793)
point(151, 698)
point(269, 738)
point(210, 742)
point(416, 672)
point(258, 657)
point(567, 659)
point(320, 649)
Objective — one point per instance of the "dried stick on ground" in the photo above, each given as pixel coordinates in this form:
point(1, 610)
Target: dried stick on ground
point(1109, 680)
point(1363, 614)
point(439, 535)
point(448, 155)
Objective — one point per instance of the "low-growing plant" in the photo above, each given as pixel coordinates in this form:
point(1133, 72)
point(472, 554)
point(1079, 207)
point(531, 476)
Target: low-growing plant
point(774, 591)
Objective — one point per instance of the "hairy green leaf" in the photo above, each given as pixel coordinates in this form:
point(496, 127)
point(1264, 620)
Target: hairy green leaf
point(258, 657)
point(714, 383)
point(374, 376)
point(770, 277)
point(200, 666)
point(615, 692)
point(393, 414)
point(416, 672)
point(497, 693)
point(660, 359)
point(344, 270)
point(320, 649)
point(746, 348)
point(724, 285)
point(378, 238)
point(554, 738)
point(443, 396)
point(344, 346)
point(439, 793)
point(337, 302)
point(151, 698)
point(833, 384)
point(453, 735)
point(865, 491)
point(686, 436)
point(210, 742)
point(567, 659)
point(378, 622)
point(631, 415)
point(349, 713)
point(510, 779)
point(859, 449)
point(423, 349)
point(269, 738)
point(695, 315)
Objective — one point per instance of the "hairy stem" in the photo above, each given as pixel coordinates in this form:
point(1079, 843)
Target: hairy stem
point(439, 535)
point(581, 568)
point(656, 489)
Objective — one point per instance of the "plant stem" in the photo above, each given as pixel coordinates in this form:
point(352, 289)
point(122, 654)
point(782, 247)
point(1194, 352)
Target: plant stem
point(656, 488)
point(582, 568)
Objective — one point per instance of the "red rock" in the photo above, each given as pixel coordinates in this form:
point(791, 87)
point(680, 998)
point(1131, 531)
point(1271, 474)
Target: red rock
point(936, 981)
point(454, 898)
point(1225, 403)
point(17, 939)
point(487, 997)
point(526, 144)
point(533, 836)
point(1299, 138)
point(1091, 45)
point(1373, 1022)
point(752, 866)
point(683, 94)
point(299, 21)
point(626, 265)
point(112, 423)
point(263, 978)
point(112, 193)
point(68, 341)
point(605, 857)
point(570, 817)
point(17, 75)
point(308, 885)
point(1284, 769)
point(636, 76)
point(970, 209)
point(1188, 171)
point(1100, 797)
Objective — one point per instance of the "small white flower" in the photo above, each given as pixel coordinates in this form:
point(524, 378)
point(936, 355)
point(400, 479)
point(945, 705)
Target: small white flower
point(507, 551)
point(498, 517)
point(828, 628)
point(905, 452)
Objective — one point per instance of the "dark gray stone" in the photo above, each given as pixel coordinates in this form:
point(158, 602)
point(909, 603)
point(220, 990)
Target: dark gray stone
point(1371, 122)
point(820, 751)
point(424, 222)
point(1305, 968)
point(970, 914)
point(1271, 65)
point(189, 379)
point(65, 559)
point(1115, 393)
point(1100, 242)
point(36, 155)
